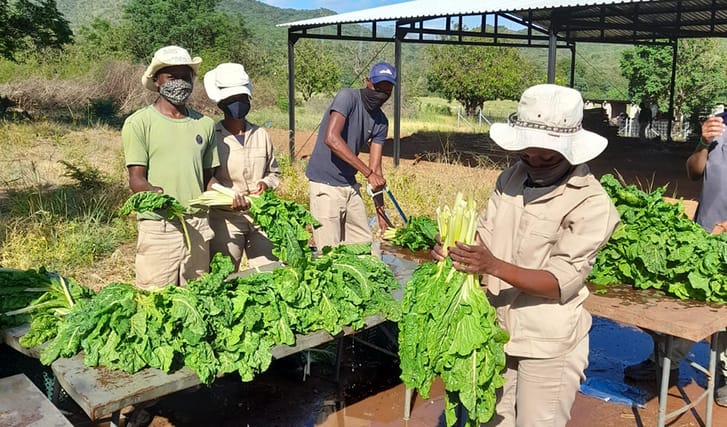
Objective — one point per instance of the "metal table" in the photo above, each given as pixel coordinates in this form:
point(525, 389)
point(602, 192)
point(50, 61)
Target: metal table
point(103, 393)
point(23, 404)
point(653, 310)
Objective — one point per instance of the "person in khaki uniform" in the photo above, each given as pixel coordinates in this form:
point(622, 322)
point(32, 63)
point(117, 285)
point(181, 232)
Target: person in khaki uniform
point(170, 148)
point(247, 165)
point(353, 119)
point(537, 242)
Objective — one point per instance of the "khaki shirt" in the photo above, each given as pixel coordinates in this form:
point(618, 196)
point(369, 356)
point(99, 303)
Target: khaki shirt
point(246, 161)
point(558, 229)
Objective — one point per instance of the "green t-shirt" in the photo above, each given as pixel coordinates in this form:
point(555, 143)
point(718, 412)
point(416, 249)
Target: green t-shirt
point(175, 152)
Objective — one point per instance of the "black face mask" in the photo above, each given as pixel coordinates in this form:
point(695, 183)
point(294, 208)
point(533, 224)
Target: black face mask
point(373, 99)
point(236, 109)
point(544, 177)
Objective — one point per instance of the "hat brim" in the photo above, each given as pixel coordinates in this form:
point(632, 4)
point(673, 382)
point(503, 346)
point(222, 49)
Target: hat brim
point(578, 147)
point(379, 79)
point(216, 94)
point(147, 79)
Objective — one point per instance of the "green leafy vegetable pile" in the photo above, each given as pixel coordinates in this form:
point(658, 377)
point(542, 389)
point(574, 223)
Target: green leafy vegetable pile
point(657, 246)
point(215, 325)
point(449, 329)
point(418, 233)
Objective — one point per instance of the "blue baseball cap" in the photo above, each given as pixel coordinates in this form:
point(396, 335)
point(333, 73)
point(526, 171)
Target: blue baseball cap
point(383, 72)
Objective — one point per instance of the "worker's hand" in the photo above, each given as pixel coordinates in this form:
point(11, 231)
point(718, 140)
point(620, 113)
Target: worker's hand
point(712, 128)
point(261, 187)
point(437, 252)
point(155, 189)
point(376, 181)
point(240, 202)
point(475, 258)
point(719, 228)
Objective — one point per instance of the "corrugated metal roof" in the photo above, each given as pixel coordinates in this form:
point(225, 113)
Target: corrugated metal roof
point(621, 21)
point(433, 8)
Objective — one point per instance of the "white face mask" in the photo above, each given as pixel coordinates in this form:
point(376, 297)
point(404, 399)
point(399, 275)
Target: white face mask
point(543, 177)
point(176, 91)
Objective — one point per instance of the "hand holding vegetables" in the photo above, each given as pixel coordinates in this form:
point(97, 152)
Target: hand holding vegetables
point(475, 258)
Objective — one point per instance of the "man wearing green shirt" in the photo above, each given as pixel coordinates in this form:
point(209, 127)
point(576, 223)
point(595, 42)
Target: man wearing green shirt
point(170, 148)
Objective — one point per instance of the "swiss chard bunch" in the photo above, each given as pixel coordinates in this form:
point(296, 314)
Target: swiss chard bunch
point(286, 225)
point(162, 204)
point(283, 221)
point(657, 246)
point(18, 288)
point(418, 233)
point(449, 329)
point(39, 298)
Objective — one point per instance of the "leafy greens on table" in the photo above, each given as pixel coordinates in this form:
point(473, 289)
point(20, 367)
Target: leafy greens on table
point(657, 246)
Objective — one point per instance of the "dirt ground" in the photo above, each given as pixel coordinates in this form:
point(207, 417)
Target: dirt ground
point(368, 391)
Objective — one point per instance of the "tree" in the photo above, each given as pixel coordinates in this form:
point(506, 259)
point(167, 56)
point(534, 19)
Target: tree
point(192, 24)
point(315, 69)
point(25, 25)
point(475, 74)
point(701, 79)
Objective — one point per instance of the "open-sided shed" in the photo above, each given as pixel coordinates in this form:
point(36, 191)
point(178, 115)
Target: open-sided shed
point(549, 24)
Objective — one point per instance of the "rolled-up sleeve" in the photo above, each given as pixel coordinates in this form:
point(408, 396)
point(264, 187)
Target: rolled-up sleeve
point(573, 256)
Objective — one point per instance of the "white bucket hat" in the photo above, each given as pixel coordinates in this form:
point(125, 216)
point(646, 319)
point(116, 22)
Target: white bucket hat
point(226, 80)
point(549, 116)
point(168, 56)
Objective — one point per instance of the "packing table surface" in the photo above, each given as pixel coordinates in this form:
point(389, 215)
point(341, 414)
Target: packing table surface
point(102, 393)
point(23, 404)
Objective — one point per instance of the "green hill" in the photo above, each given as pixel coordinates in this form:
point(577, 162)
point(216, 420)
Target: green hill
point(597, 72)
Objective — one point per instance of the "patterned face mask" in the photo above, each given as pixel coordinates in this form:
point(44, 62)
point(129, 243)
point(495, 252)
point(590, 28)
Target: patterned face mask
point(176, 91)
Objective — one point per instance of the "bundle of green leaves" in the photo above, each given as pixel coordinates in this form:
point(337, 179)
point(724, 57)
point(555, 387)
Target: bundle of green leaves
point(162, 204)
point(286, 225)
point(18, 288)
point(419, 233)
point(657, 246)
point(283, 221)
point(449, 329)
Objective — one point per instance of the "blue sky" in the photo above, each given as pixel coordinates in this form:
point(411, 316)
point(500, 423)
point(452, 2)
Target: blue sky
point(339, 6)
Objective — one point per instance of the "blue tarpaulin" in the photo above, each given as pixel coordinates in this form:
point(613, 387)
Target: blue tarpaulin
point(614, 346)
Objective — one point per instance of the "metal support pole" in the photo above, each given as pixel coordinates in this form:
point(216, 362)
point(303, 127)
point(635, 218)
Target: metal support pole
point(572, 65)
point(397, 100)
point(672, 85)
point(552, 44)
point(291, 95)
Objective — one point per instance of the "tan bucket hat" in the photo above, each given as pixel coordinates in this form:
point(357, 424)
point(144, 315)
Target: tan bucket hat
point(166, 57)
point(549, 116)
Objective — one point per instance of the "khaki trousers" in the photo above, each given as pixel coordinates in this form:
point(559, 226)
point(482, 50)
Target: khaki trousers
point(162, 256)
point(236, 235)
point(540, 392)
point(342, 215)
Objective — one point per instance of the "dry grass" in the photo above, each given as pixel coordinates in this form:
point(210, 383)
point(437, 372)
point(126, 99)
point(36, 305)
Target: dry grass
point(48, 218)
